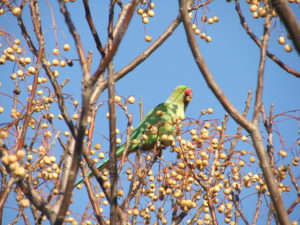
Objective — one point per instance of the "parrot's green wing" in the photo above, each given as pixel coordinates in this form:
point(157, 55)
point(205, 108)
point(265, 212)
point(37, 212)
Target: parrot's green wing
point(156, 123)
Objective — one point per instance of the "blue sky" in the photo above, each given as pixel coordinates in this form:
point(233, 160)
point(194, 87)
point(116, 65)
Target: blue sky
point(232, 58)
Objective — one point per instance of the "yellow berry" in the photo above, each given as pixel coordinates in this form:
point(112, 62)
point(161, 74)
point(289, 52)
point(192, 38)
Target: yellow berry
point(145, 20)
point(210, 110)
point(140, 11)
point(281, 40)
point(19, 171)
point(19, 50)
point(131, 100)
point(20, 154)
point(148, 38)
point(55, 73)
point(39, 92)
point(197, 31)
point(55, 62)
point(252, 159)
point(55, 51)
point(241, 163)
point(120, 192)
point(29, 157)
point(67, 47)
point(253, 8)
point(12, 158)
point(244, 138)
point(151, 5)
point(3, 134)
point(17, 11)
point(31, 70)
point(117, 99)
point(135, 211)
point(151, 13)
point(208, 39)
point(75, 103)
point(282, 153)
point(97, 146)
point(216, 19)
point(106, 185)
point(288, 48)
point(203, 35)
point(27, 60)
point(210, 21)
point(24, 203)
point(62, 63)
point(101, 155)
point(20, 73)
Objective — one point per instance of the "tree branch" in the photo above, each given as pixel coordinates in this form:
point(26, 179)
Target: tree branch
point(90, 21)
point(124, 20)
point(112, 153)
point(250, 127)
point(258, 43)
point(289, 19)
point(261, 70)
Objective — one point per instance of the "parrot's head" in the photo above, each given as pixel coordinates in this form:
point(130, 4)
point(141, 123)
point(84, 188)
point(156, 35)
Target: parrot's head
point(181, 94)
point(188, 94)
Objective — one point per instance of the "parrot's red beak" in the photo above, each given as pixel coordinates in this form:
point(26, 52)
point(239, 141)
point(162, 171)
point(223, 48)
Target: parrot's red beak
point(188, 94)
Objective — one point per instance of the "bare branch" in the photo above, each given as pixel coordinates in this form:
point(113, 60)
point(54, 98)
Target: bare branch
point(90, 21)
point(258, 43)
point(289, 19)
point(30, 101)
point(261, 70)
point(125, 18)
point(92, 198)
point(113, 172)
point(5, 193)
point(39, 202)
point(77, 40)
point(144, 55)
point(257, 208)
point(66, 187)
point(238, 209)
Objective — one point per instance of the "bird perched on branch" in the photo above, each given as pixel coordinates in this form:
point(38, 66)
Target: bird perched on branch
point(157, 127)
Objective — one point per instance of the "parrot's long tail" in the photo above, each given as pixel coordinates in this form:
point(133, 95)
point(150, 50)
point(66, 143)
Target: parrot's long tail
point(102, 165)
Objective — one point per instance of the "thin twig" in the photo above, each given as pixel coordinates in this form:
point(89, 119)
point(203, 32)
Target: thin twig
point(90, 21)
point(92, 199)
point(30, 101)
point(238, 209)
point(261, 70)
point(257, 208)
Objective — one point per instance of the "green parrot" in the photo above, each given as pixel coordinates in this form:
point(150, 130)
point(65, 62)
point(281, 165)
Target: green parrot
point(158, 123)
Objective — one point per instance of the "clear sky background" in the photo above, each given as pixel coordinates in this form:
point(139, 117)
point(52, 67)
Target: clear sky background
point(232, 58)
